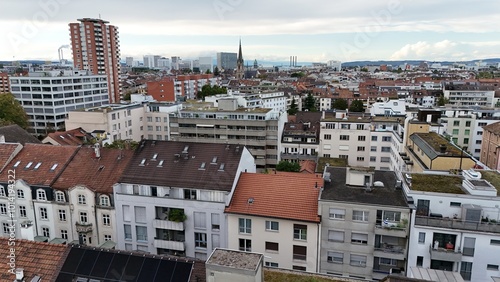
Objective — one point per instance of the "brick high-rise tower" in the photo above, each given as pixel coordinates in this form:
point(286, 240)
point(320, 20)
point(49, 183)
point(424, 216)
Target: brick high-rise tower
point(96, 47)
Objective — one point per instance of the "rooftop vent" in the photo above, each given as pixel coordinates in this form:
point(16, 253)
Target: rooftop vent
point(19, 274)
point(327, 177)
point(237, 148)
point(368, 187)
point(442, 148)
point(250, 200)
point(185, 151)
point(378, 184)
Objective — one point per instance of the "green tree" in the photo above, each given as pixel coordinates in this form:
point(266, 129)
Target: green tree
point(288, 166)
point(216, 71)
point(356, 106)
point(297, 74)
point(293, 108)
point(123, 144)
point(209, 90)
point(442, 101)
point(11, 111)
point(208, 72)
point(340, 104)
point(310, 103)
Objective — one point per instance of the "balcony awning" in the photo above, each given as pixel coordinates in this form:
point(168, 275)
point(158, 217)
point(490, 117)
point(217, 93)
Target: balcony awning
point(108, 245)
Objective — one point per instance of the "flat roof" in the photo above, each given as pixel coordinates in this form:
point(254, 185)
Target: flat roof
point(438, 183)
point(235, 259)
point(493, 177)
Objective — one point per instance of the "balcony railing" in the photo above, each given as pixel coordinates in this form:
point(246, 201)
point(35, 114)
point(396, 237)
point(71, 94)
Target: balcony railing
point(457, 224)
point(167, 224)
point(82, 227)
point(170, 245)
point(445, 254)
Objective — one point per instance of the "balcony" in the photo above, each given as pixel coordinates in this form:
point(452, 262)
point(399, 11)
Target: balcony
point(457, 224)
point(390, 251)
point(83, 227)
point(445, 254)
point(288, 156)
point(167, 224)
point(396, 231)
point(170, 245)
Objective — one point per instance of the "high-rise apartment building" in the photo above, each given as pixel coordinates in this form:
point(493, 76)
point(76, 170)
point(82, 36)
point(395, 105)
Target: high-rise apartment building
point(227, 61)
point(4, 82)
point(96, 47)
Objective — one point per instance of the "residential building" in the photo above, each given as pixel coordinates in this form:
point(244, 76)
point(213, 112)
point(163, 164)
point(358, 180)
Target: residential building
point(206, 64)
point(15, 134)
point(226, 61)
point(260, 221)
point(459, 125)
point(275, 100)
point(258, 129)
point(187, 86)
point(157, 120)
point(220, 266)
point(129, 61)
point(364, 227)
point(96, 47)
point(455, 223)
point(111, 122)
point(490, 147)
point(171, 197)
point(460, 93)
point(163, 90)
point(300, 138)
point(164, 63)
point(73, 137)
point(4, 83)
point(48, 96)
point(395, 108)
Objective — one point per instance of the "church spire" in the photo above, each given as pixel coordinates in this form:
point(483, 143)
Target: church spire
point(240, 72)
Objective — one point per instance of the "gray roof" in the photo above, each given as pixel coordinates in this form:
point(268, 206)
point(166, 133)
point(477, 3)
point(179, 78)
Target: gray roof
point(16, 134)
point(337, 190)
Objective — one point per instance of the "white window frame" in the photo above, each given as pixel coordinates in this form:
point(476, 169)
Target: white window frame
point(336, 214)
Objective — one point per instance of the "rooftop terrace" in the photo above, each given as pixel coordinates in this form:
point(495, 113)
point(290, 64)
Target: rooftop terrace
point(492, 177)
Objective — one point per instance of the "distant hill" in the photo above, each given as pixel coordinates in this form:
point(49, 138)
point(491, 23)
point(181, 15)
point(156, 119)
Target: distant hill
point(415, 62)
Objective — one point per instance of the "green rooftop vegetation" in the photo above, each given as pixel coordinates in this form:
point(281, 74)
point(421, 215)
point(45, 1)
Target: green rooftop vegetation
point(435, 141)
point(283, 276)
point(437, 183)
point(334, 162)
point(492, 177)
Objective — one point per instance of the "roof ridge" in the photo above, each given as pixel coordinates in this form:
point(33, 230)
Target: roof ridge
point(65, 166)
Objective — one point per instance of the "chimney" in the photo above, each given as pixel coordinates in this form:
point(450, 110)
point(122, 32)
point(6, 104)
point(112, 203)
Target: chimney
point(97, 150)
point(2, 139)
point(19, 274)
point(442, 148)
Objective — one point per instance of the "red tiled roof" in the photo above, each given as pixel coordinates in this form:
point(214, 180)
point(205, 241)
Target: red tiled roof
point(284, 195)
point(70, 137)
point(47, 156)
point(98, 175)
point(6, 152)
point(308, 166)
point(36, 258)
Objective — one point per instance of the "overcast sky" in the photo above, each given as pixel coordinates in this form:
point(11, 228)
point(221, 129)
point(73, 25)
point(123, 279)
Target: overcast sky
point(313, 30)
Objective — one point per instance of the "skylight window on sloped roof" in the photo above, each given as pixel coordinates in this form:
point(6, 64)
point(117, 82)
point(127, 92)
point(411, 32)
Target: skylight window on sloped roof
point(28, 165)
point(155, 156)
point(202, 166)
point(37, 166)
point(221, 167)
point(143, 162)
point(53, 167)
point(214, 160)
point(17, 164)
point(160, 164)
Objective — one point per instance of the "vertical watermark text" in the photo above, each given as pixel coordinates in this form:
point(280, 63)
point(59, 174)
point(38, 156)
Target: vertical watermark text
point(11, 222)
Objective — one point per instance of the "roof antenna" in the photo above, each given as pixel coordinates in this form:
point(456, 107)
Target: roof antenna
point(99, 16)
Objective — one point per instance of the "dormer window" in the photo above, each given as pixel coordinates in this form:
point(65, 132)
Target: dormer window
point(104, 200)
point(82, 200)
point(60, 197)
point(40, 195)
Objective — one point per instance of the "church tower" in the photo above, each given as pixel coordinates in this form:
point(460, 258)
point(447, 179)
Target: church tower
point(240, 65)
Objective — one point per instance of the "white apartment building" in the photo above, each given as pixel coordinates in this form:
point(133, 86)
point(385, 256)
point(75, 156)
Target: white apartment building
point(389, 108)
point(48, 96)
point(171, 197)
point(111, 122)
point(157, 120)
point(469, 94)
point(258, 222)
point(455, 223)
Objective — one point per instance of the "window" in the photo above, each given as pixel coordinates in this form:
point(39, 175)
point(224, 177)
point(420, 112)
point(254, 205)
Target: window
point(360, 159)
point(494, 242)
point(245, 225)
point(45, 232)
point(40, 195)
point(360, 215)
point(330, 126)
point(43, 213)
point(386, 149)
point(361, 149)
point(361, 138)
point(467, 132)
point(271, 264)
point(215, 241)
point(190, 194)
point(373, 148)
point(466, 270)
point(358, 238)
point(392, 216)
point(374, 138)
point(142, 233)
point(492, 267)
point(6, 226)
point(82, 200)
point(336, 213)
point(22, 211)
point(246, 245)
point(420, 261)
point(62, 215)
point(335, 257)
point(423, 207)
point(335, 236)
point(386, 138)
point(107, 238)
point(327, 137)
point(272, 225)
point(64, 234)
point(200, 221)
point(360, 126)
point(466, 140)
point(344, 156)
point(467, 123)
point(300, 232)
point(2, 191)
point(140, 214)
point(104, 200)
point(387, 261)
point(373, 159)
point(358, 260)
point(297, 267)
point(456, 123)
point(455, 204)
point(60, 196)
point(200, 240)
point(106, 220)
point(344, 137)
point(299, 252)
point(215, 222)
point(127, 231)
point(272, 246)
point(421, 237)
point(469, 244)
point(20, 194)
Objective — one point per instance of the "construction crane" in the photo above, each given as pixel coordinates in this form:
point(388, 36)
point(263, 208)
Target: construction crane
point(60, 52)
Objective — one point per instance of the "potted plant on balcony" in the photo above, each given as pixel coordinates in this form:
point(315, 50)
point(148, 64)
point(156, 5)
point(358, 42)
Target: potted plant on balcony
point(176, 215)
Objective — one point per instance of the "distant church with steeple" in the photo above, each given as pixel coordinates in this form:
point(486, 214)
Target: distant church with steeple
point(240, 65)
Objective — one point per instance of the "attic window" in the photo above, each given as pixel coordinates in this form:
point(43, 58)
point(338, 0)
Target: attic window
point(37, 166)
point(221, 167)
point(160, 164)
point(202, 166)
point(143, 162)
point(17, 164)
point(214, 160)
point(53, 167)
point(28, 165)
point(155, 156)
point(101, 167)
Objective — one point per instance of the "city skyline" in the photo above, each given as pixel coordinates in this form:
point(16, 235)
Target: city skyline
point(346, 31)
